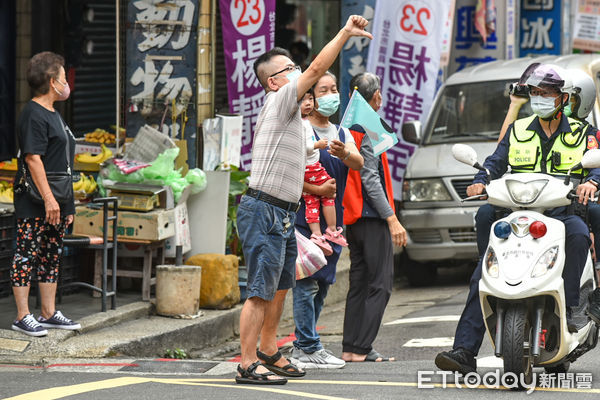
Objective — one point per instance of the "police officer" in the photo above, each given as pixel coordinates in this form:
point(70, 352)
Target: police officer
point(560, 142)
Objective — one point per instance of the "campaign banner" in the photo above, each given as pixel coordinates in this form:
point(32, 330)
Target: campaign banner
point(586, 35)
point(353, 58)
point(541, 27)
point(405, 54)
point(248, 31)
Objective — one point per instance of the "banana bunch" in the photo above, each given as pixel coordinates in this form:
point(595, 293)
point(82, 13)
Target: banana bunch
point(85, 184)
point(94, 159)
point(6, 192)
point(100, 136)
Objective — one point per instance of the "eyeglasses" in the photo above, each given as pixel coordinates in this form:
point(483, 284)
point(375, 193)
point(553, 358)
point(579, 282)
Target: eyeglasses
point(533, 91)
point(289, 68)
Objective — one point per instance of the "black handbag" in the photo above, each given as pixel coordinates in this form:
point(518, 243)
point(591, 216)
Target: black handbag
point(61, 183)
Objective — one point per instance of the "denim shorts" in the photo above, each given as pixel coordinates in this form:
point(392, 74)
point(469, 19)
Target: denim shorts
point(269, 249)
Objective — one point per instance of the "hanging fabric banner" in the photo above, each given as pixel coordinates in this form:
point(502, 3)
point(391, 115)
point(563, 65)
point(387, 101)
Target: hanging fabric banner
point(248, 32)
point(405, 54)
point(353, 59)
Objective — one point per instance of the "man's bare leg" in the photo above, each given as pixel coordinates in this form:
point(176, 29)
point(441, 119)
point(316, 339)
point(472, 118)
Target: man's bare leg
point(268, 334)
point(251, 322)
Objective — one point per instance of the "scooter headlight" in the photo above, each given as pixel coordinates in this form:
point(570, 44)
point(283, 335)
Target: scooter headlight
point(491, 263)
point(525, 192)
point(545, 262)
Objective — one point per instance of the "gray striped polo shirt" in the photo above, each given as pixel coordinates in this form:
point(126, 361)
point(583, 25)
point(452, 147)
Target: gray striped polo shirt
point(278, 151)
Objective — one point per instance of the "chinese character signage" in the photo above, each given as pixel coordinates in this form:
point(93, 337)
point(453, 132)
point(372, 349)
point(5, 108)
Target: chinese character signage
point(587, 26)
point(540, 26)
point(355, 51)
point(248, 32)
point(468, 46)
point(405, 54)
point(161, 68)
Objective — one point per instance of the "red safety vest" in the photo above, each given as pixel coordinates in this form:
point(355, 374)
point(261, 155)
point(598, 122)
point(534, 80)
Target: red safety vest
point(353, 199)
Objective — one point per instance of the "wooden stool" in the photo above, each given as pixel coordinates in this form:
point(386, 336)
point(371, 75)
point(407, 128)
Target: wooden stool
point(146, 273)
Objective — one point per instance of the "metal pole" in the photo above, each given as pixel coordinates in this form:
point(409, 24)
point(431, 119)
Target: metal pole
point(118, 75)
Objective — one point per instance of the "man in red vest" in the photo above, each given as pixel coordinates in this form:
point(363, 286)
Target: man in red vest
point(372, 231)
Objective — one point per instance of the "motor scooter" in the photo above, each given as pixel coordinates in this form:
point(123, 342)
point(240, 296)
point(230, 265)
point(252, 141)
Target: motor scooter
point(521, 290)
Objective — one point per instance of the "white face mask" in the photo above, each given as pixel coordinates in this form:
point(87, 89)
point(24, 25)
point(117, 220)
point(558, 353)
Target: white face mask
point(292, 76)
point(543, 107)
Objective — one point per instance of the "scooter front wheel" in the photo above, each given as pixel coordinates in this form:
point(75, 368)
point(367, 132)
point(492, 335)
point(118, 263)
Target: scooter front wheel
point(516, 343)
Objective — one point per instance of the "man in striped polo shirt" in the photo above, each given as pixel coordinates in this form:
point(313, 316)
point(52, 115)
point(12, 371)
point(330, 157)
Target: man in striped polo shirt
point(267, 212)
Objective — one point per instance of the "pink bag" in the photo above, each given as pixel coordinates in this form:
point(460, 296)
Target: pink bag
point(310, 257)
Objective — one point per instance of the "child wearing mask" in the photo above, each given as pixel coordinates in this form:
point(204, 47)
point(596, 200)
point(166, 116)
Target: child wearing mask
point(315, 174)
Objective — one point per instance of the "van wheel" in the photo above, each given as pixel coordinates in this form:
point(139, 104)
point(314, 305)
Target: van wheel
point(419, 274)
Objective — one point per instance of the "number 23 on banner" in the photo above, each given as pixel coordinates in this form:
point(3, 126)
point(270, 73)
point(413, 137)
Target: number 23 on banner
point(415, 19)
point(247, 16)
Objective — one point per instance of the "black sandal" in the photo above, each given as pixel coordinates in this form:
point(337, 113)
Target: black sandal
point(288, 370)
point(250, 376)
point(373, 356)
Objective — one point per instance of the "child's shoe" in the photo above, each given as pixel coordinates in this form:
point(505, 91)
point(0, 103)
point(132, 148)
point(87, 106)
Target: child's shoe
point(322, 243)
point(336, 237)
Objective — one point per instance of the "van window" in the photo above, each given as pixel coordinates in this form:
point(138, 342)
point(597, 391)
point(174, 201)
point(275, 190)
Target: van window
point(473, 112)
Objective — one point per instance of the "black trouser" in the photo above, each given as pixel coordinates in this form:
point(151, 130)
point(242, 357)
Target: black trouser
point(371, 281)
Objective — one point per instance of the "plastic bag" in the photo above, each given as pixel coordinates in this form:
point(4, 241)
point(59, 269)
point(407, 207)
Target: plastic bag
point(310, 257)
point(197, 178)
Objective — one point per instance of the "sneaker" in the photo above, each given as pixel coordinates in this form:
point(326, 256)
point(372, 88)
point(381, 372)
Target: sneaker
point(58, 321)
point(336, 237)
point(29, 326)
point(459, 360)
point(322, 243)
point(593, 310)
point(320, 359)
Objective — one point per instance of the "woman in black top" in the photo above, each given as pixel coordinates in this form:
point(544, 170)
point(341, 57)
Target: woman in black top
point(43, 139)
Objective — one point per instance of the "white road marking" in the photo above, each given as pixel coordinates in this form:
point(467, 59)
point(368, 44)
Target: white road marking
point(490, 362)
point(418, 320)
point(430, 342)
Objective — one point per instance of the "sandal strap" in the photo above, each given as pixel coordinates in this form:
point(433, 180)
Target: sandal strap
point(271, 360)
point(251, 373)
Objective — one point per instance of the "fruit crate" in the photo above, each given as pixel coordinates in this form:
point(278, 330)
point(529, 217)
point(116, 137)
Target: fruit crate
point(5, 264)
point(7, 235)
point(70, 271)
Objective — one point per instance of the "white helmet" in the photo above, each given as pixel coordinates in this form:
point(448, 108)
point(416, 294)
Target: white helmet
point(583, 92)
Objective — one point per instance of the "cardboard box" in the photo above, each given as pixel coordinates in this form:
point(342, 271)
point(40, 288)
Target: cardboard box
point(92, 148)
point(153, 225)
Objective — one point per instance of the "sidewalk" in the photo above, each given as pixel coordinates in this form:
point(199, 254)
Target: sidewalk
point(132, 329)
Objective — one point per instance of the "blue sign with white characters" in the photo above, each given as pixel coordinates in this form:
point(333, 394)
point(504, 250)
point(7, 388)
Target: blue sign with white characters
point(541, 27)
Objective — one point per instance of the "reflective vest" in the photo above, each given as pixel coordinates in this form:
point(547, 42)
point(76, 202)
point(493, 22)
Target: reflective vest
point(525, 149)
point(353, 197)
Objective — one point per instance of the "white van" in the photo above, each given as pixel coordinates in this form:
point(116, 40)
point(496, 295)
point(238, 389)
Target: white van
point(469, 108)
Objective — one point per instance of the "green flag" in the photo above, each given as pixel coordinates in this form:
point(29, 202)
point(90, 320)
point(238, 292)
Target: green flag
point(360, 112)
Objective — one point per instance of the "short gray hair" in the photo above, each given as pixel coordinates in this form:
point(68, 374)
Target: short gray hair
point(366, 83)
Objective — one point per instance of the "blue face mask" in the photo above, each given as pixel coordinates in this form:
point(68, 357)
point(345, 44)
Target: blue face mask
point(292, 76)
point(328, 104)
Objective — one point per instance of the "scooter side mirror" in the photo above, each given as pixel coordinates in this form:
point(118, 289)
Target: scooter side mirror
point(591, 159)
point(466, 154)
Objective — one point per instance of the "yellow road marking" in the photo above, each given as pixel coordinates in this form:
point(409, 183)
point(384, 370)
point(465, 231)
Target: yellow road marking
point(65, 391)
point(251, 387)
